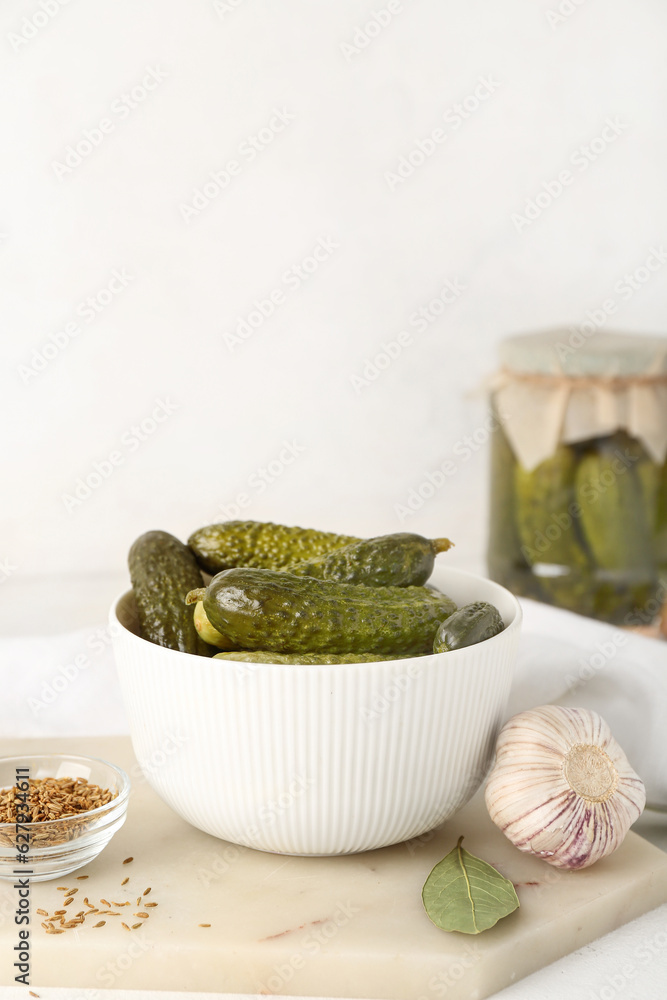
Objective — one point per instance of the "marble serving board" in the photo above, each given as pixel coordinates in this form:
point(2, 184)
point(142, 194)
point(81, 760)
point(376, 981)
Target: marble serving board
point(351, 926)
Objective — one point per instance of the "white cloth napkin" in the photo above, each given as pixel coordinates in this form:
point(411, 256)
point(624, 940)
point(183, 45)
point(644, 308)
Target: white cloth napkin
point(569, 660)
point(60, 685)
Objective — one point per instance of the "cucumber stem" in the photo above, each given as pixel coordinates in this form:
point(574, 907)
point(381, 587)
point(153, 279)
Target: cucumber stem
point(441, 545)
point(195, 595)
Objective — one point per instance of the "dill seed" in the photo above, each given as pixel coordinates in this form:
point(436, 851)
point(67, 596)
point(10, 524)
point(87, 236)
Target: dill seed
point(105, 901)
point(58, 912)
point(150, 904)
point(146, 891)
point(125, 880)
point(33, 994)
point(134, 926)
point(127, 861)
point(42, 913)
point(70, 899)
point(79, 877)
point(124, 925)
point(100, 923)
point(204, 925)
point(138, 902)
point(61, 888)
point(144, 916)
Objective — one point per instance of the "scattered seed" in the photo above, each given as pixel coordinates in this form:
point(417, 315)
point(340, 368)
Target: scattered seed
point(79, 877)
point(149, 904)
point(125, 880)
point(58, 912)
point(43, 913)
point(61, 888)
point(204, 925)
point(46, 926)
point(33, 994)
point(124, 925)
point(70, 899)
point(146, 891)
point(138, 903)
point(81, 913)
point(100, 923)
point(105, 901)
point(112, 913)
point(144, 916)
point(71, 892)
point(57, 931)
point(134, 926)
point(127, 861)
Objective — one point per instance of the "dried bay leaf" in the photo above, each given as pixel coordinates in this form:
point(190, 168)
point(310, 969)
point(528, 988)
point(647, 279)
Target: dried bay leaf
point(464, 893)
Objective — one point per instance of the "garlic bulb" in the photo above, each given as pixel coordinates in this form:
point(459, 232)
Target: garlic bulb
point(562, 788)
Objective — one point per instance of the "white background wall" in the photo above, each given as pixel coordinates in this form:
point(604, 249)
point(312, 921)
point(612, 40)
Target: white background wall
point(556, 80)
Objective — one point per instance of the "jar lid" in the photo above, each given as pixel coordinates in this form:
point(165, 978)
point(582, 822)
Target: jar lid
point(576, 352)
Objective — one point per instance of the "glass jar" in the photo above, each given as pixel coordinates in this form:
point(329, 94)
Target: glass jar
point(578, 477)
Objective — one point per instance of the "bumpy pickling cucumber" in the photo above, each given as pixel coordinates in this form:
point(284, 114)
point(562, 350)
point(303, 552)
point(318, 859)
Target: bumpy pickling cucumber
point(631, 453)
point(261, 545)
point(163, 570)
point(470, 624)
point(259, 656)
point(613, 513)
point(400, 560)
point(277, 612)
point(547, 529)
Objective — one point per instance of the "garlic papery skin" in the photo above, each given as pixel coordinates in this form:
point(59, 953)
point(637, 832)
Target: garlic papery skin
point(561, 787)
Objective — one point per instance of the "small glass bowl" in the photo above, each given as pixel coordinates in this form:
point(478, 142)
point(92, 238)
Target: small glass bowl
point(58, 847)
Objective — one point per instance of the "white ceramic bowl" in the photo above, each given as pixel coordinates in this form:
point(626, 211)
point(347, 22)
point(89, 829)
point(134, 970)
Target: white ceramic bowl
point(318, 760)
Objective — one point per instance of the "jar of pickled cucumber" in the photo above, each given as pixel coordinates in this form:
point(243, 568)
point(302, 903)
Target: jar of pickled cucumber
point(578, 478)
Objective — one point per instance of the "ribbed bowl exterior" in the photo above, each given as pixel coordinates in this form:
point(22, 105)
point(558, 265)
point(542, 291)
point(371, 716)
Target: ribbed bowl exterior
point(318, 760)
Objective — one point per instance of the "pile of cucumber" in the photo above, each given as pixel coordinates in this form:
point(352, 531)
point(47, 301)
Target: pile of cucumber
point(593, 515)
point(293, 595)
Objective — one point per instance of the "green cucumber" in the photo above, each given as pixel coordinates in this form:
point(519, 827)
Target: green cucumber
point(471, 624)
point(399, 560)
point(277, 612)
point(613, 514)
point(259, 544)
point(163, 570)
point(260, 656)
